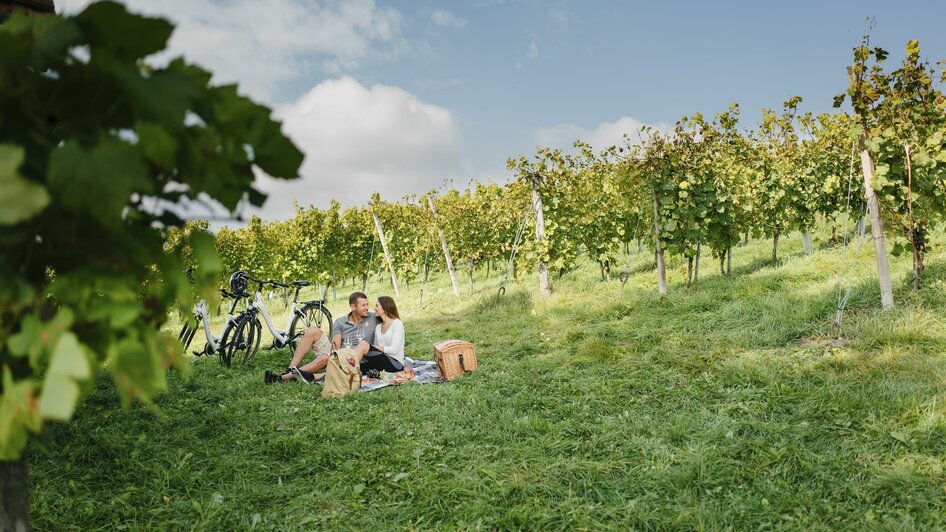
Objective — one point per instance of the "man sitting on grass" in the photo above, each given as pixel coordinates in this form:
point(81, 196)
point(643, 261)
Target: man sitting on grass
point(349, 330)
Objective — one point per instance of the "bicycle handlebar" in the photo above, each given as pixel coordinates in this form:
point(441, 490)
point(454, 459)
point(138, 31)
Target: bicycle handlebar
point(263, 283)
point(232, 295)
point(270, 282)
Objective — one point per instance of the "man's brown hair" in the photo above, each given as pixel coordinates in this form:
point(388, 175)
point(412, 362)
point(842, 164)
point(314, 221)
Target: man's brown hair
point(355, 296)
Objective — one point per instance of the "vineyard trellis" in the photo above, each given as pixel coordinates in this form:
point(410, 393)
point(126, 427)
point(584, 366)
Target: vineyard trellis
point(699, 187)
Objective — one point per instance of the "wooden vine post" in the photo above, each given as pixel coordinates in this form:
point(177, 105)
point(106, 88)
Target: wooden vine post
point(542, 266)
point(446, 249)
point(387, 256)
point(775, 249)
point(873, 208)
point(918, 249)
point(661, 268)
point(696, 265)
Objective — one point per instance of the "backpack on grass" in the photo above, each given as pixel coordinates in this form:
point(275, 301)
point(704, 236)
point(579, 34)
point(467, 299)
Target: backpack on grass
point(343, 373)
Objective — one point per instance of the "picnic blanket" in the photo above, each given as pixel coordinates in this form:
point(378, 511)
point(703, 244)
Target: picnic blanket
point(416, 371)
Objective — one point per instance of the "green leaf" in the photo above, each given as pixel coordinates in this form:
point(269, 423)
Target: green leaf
point(164, 96)
point(900, 436)
point(873, 144)
point(136, 369)
point(60, 397)
point(120, 314)
point(157, 145)
point(69, 358)
point(27, 339)
point(274, 153)
point(206, 253)
point(98, 182)
point(20, 199)
point(199, 76)
point(19, 412)
point(60, 391)
point(109, 26)
point(913, 48)
point(35, 336)
point(53, 37)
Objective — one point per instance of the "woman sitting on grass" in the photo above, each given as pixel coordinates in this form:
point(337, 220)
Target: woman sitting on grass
point(387, 352)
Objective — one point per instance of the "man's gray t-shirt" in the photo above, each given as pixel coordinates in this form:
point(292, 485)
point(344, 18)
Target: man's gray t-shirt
point(350, 331)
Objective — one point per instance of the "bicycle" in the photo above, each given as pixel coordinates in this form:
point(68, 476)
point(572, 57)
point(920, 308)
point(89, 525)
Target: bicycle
point(235, 338)
point(302, 315)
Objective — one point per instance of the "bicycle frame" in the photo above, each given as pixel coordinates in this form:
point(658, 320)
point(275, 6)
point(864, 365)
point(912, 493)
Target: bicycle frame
point(203, 316)
point(281, 336)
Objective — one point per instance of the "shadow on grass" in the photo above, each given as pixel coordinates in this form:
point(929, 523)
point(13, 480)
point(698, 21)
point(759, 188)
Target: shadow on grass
point(774, 308)
point(642, 266)
point(762, 263)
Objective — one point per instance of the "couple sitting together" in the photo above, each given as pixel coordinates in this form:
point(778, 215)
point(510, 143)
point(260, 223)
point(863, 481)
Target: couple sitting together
point(377, 336)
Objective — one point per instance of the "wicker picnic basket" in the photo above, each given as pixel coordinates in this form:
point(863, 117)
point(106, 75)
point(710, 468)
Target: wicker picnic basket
point(454, 358)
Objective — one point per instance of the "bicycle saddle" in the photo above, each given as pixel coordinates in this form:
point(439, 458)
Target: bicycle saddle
point(299, 283)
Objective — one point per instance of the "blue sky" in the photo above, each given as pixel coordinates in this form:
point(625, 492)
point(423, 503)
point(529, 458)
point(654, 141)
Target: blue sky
point(653, 61)
point(398, 96)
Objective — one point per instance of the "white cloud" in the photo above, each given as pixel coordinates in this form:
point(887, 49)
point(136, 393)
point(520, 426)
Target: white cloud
point(445, 19)
point(360, 140)
point(560, 18)
point(263, 45)
point(602, 136)
point(533, 51)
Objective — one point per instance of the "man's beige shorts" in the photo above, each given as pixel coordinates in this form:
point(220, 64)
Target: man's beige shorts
point(323, 346)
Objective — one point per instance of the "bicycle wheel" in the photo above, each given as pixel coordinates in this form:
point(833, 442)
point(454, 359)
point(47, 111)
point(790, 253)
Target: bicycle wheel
point(253, 336)
point(234, 340)
point(189, 338)
point(228, 335)
point(307, 316)
point(187, 334)
point(182, 337)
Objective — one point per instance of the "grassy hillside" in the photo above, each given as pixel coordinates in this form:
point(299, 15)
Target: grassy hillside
point(725, 405)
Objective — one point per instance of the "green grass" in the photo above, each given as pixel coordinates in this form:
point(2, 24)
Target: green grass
point(723, 406)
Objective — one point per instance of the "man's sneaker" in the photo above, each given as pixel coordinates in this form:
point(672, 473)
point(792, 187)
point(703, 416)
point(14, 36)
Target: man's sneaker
point(271, 377)
point(302, 375)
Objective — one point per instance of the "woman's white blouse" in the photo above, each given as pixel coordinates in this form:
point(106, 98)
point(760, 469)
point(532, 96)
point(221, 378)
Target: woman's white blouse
point(391, 342)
